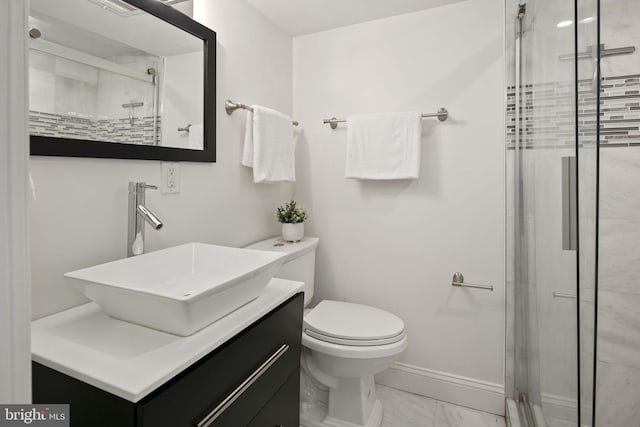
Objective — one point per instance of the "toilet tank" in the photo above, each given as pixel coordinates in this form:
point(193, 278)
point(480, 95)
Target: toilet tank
point(300, 263)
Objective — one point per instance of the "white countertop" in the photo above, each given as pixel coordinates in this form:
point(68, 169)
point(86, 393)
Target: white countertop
point(131, 361)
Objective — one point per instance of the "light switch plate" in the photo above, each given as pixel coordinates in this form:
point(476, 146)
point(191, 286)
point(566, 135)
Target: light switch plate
point(170, 177)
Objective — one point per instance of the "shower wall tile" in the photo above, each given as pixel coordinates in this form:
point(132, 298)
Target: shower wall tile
point(108, 130)
point(619, 256)
point(74, 97)
point(55, 125)
point(41, 90)
point(619, 175)
point(549, 113)
point(619, 328)
point(619, 29)
point(617, 403)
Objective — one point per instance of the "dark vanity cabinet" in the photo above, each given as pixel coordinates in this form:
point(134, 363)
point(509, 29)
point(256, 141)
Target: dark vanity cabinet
point(252, 380)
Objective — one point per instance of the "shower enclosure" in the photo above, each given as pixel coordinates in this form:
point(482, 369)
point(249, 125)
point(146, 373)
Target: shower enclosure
point(552, 154)
point(101, 90)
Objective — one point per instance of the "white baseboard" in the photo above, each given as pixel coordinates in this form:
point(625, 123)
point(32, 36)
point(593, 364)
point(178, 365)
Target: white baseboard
point(456, 389)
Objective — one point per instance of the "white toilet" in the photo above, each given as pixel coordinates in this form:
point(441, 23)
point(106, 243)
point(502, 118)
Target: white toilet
point(344, 346)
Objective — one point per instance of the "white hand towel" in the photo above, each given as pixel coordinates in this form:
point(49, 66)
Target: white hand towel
point(247, 149)
point(384, 146)
point(196, 137)
point(269, 146)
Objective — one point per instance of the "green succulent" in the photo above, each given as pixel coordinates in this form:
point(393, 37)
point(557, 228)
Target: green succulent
point(291, 213)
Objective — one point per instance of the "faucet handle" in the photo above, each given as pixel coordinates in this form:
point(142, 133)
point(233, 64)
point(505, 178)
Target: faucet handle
point(139, 187)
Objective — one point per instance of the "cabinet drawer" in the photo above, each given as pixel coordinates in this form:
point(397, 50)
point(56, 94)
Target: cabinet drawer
point(190, 397)
point(89, 406)
point(283, 410)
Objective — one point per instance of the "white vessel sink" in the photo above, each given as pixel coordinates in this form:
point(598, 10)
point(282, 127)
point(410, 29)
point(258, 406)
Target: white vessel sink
point(179, 290)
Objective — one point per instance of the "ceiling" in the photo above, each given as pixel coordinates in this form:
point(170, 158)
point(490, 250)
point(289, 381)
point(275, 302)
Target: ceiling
point(297, 17)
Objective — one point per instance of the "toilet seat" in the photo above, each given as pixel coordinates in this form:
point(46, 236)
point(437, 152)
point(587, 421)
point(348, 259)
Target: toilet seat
point(358, 342)
point(353, 330)
point(354, 351)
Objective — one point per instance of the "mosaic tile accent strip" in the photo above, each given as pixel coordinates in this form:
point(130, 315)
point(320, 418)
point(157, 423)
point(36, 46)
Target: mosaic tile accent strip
point(47, 124)
point(549, 116)
point(105, 130)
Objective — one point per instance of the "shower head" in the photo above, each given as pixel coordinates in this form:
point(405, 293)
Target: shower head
point(34, 33)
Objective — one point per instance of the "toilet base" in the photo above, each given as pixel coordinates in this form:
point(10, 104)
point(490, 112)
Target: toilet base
point(316, 416)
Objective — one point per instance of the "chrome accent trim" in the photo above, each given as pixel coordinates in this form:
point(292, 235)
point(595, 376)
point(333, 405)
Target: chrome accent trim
point(244, 386)
point(458, 280)
point(569, 204)
point(231, 106)
point(442, 115)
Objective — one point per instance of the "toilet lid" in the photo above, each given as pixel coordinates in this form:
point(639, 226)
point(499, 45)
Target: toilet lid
point(353, 324)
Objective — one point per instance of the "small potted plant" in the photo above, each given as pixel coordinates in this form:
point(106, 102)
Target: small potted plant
point(292, 218)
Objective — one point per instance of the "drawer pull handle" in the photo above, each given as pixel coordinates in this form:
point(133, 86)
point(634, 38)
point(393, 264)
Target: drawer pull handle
point(235, 394)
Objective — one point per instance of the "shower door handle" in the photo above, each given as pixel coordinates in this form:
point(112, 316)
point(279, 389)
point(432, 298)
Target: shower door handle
point(557, 294)
point(569, 204)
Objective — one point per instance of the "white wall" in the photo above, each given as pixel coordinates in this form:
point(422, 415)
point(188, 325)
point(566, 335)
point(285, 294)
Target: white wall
point(80, 215)
point(396, 245)
point(15, 342)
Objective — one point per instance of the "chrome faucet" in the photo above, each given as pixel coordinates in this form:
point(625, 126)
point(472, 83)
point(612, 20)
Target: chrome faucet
point(139, 214)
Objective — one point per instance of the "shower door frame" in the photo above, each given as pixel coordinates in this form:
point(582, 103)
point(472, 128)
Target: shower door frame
point(519, 384)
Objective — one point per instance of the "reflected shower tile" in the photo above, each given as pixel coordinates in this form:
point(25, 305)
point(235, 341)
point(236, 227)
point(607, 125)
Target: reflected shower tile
point(617, 403)
point(405, 409)
point(619, 256)
point(74, 97)
point(619, 191)
point(448, 415)
point(619, 328)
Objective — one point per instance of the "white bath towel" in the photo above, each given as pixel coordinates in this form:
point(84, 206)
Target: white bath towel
point(384, 146)
point(269, 146)
point(196, 137)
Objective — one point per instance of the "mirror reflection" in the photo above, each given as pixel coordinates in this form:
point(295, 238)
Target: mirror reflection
point(102, 70)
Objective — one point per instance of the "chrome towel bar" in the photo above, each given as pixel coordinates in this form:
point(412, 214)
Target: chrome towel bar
point(442, 115)
point(231, 106)
point(458, 280)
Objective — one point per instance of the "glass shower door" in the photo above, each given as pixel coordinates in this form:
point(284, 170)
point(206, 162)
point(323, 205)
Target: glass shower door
point(552, 154)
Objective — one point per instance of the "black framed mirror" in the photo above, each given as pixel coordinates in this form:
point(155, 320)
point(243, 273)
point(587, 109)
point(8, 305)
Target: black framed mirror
point(126, 79)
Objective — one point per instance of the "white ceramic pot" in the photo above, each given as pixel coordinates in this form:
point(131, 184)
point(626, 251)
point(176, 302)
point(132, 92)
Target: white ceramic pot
point(293, 232)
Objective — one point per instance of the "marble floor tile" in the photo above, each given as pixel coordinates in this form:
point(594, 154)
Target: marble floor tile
point(448, 415)
point(402, 409)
